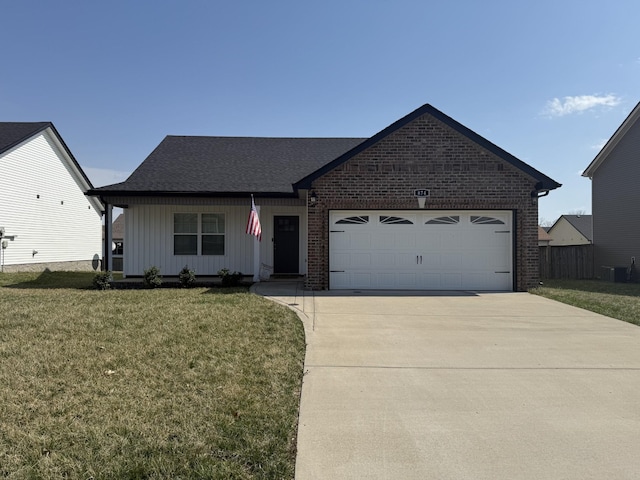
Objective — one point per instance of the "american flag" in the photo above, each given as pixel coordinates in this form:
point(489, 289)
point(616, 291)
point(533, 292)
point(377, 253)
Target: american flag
point(253, 224)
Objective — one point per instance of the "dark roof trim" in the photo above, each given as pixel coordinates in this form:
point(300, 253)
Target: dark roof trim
point(73, 159)
point(544, 183)
point(155, 193)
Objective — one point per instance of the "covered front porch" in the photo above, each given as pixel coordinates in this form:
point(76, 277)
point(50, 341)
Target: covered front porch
point(209, 234)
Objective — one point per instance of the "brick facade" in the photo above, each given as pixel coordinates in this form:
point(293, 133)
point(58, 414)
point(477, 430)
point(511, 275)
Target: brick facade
point(425, 153)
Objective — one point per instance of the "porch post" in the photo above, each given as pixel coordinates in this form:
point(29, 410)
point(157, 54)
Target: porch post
point(107, 263)
point(256, 253)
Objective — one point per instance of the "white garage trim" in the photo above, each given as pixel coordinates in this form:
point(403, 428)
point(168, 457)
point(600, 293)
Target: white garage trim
point(421, 249)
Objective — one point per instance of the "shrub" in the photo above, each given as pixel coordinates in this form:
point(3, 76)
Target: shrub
point(229, 279)
point(187, 277)
point(152, 277)
point(102, 280)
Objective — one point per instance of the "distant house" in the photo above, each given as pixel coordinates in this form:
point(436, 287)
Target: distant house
point(426, 203)
point(614, 175)
point(543, 237)
point(46, 219)
point(572, 230)
point(118, 242)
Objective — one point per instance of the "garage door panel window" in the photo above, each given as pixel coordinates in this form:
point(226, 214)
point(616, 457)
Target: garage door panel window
point(386, 220)
point(478, 220)
point(453, 220)
point(353, 220)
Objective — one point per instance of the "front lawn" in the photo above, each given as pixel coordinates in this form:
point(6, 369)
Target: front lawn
point(166, 383)
point(616, 300)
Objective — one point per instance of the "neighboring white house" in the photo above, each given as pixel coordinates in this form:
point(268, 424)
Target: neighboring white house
point(46, 219)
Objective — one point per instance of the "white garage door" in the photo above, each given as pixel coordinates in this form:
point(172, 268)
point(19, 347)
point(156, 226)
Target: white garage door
point(426, 249)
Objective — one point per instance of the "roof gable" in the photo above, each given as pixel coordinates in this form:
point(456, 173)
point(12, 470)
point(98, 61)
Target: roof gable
point(543, 182)
point(622, 130)
point(582, 223)
point(13, 134)
point(543, 235)
point(118, 227)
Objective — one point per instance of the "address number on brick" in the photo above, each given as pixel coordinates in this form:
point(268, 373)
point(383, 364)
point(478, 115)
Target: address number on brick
point(421, 193)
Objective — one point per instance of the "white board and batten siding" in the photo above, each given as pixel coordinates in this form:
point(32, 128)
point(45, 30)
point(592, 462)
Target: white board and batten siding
point(431, 250)
point(149, 239)
point(42, 202)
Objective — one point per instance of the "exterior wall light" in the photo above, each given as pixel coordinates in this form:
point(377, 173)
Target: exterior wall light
point(313, 197)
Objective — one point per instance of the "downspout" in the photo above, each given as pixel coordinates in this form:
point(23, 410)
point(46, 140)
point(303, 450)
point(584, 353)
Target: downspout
point(539, 192)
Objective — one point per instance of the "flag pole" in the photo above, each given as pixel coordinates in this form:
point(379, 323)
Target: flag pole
point(256, 249)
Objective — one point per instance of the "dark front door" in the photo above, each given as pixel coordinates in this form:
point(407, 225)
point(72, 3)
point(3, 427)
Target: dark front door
point(286, 253)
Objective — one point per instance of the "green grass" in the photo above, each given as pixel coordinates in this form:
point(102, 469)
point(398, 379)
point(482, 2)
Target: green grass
point(616, 300)
point(47, 279)
point(132, 384)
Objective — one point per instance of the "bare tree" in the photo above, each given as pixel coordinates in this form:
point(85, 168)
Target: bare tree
point(543, 222)
point(577, 212)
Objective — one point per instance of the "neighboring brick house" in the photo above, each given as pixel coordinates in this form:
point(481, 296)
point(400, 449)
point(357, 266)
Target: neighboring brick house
point(346, 213)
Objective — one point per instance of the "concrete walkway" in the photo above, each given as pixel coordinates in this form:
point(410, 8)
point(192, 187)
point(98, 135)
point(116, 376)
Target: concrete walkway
point(420, 385)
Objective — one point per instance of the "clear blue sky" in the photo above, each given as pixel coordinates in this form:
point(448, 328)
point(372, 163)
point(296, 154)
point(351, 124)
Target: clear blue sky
point(548, 81)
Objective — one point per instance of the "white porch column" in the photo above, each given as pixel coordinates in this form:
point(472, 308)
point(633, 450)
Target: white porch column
point(108, 237)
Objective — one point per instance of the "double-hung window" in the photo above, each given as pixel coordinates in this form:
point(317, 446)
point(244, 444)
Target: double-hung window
point(212, 234)
point(198, 234)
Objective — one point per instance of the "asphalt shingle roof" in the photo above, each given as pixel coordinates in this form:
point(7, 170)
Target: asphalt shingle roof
point(187, 164)
point(12, 133)
point(582, 223)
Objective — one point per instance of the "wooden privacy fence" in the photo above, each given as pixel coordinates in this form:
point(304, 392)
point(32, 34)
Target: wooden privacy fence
point(573, 262)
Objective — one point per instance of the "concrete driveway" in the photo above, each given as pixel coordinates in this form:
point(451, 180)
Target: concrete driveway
point(464, 386)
